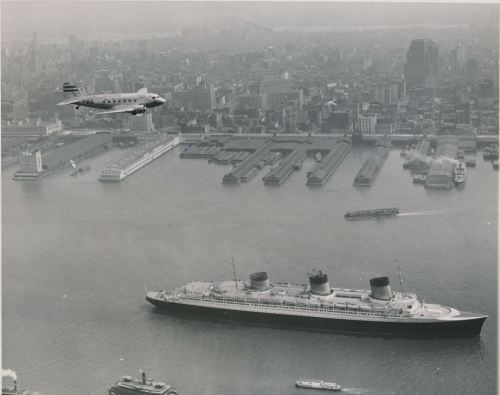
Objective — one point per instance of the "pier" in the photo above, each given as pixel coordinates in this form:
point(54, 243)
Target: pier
point(373, 163)
point(324, 170)
point(293, 161)
point(249, 166)
point(136, 158)
point(418, 157)
point(59, 157)
point(441, 170)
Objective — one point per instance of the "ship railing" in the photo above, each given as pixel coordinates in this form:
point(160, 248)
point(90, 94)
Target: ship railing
point(201, 297)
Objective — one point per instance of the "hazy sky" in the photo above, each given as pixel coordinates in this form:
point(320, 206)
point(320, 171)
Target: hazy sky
point(19, 19)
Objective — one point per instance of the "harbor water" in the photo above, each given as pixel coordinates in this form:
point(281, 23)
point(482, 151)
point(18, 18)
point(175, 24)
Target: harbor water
point(78, 256)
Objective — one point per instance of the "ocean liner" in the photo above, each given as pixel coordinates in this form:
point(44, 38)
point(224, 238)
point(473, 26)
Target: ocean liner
point(318, 306)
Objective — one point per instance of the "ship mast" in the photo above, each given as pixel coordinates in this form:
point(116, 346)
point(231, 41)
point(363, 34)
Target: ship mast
point(234, 272)
point(400, 279)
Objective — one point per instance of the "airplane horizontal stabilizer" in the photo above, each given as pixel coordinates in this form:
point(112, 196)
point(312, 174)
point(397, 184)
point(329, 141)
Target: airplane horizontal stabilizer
point(72, 101)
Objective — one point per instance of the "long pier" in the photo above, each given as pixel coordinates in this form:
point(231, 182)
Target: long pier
point(372, 165)
point(324, 170)
point(292, 162)
point(132, 160)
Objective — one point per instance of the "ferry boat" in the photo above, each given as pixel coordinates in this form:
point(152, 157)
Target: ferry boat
point(375, 213)
point(318, 306)
point(459, 173)
point(132, 386)
point(318, 385)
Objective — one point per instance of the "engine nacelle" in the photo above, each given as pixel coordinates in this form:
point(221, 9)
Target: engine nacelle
point(138, 111)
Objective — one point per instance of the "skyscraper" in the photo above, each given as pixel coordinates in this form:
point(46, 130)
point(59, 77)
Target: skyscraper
point(421, 62)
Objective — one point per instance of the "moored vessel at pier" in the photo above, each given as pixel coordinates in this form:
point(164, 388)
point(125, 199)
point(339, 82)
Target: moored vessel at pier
point(459, 173)
point(318, 306)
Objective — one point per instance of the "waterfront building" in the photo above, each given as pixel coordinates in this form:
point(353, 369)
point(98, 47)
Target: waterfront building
point(35, 130)
point(367, 123)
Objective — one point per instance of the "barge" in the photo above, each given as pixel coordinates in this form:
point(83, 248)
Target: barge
point(318, 385)
point(375, 213)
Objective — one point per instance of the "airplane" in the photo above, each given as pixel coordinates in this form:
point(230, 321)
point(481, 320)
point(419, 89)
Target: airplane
point(132, 103)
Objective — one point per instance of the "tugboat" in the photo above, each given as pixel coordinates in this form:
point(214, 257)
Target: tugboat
point(459, 173)
point(375, 213)
point(318, 385)
point(14, 390)
point(132, 386)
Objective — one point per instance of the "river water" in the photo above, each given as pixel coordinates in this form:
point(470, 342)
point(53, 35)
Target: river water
point(78, 255)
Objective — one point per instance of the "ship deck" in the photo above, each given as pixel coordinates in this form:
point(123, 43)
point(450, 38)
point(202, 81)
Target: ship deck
point(298, 300)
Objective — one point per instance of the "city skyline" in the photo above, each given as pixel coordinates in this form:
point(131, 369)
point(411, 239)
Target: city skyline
point(85, 18)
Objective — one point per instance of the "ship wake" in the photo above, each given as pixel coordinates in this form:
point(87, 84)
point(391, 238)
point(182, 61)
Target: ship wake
point(427, 212)
point(357, 391)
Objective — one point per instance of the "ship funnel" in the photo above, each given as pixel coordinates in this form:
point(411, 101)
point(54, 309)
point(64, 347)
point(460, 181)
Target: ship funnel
point(259, 281)
point(143, 377)
point(319, 284)
point(381, 288)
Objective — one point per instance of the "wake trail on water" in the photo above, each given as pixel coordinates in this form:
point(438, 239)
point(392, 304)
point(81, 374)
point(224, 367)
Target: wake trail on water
point(356, 391)
point(428, 212)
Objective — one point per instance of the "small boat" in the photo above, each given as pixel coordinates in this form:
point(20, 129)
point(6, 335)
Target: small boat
point(318, 385)
point(318, 157)
point(375, 213)
point(491, 152)
point(495, 164)
point(459, 173)
point(132, 386)
point(471, 162)
point(419, 179)
point(84, 168)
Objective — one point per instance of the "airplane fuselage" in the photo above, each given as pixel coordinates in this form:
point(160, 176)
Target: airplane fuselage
point(110, 101)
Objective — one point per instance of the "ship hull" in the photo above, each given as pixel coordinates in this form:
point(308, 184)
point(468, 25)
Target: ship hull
point(466, 327)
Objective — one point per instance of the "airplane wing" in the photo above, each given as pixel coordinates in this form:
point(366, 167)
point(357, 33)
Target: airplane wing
point(118, 109)
point(71, 101)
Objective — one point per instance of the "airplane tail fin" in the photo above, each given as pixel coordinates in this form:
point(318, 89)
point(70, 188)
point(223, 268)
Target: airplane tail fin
point(70, 91)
